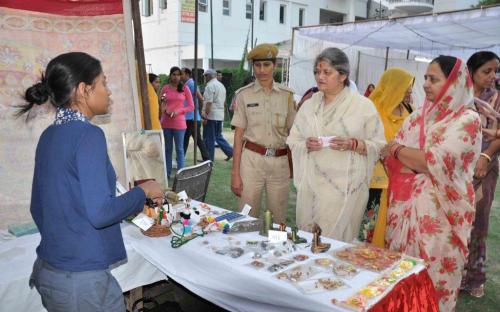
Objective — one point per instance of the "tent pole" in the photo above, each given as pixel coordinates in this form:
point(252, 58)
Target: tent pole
point(357, 67)
point(386, 57)
point(195, 76)
point(141, 66)
point(253, 10)
point(211, 36)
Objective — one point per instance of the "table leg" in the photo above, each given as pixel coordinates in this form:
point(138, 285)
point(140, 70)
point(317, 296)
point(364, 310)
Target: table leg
point(134, 295)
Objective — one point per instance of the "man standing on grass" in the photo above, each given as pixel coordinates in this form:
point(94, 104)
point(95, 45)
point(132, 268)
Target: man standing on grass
point(263, 117)
point(213, 115)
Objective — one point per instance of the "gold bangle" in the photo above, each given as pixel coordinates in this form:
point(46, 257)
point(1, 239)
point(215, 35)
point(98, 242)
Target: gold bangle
point(486, 156)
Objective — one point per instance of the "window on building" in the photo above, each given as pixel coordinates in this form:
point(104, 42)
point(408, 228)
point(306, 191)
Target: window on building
point(146, 7)
point(282, 14)
point(262, 10)
point(301, 17)
point(248, 14)
point(163, 4)
point(226, 9)
point(202, 5)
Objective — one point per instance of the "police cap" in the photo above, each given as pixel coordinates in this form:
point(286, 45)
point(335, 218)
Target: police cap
point(263, 52)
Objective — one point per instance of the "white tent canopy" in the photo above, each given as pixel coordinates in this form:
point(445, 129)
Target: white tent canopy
point(458, 33)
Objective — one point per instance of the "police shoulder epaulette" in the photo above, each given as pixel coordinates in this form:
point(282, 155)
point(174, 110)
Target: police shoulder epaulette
point(244, 87)
point(285, 88)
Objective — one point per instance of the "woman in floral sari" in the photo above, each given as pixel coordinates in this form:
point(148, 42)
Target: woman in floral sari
point(483, 67)
point(391, 98)
point(335, 141)
point(431, 165)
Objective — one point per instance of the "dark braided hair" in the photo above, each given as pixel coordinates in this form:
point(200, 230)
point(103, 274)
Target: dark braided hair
point(61, 78)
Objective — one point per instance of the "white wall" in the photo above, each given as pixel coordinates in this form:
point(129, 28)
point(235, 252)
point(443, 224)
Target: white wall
point(167, 41)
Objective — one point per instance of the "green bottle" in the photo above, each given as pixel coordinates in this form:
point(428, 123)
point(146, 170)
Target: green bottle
point(267, 223)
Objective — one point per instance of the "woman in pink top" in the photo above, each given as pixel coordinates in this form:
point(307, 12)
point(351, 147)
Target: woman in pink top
point(173, 121)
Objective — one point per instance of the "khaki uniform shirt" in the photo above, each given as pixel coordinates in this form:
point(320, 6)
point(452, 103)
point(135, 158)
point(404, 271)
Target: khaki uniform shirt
point(266, 117)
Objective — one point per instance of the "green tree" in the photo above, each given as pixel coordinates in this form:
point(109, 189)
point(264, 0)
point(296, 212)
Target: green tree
point(163, 80)
point(487, 2)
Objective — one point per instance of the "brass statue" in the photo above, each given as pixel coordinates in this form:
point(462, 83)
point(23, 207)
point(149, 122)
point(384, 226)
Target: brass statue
point(317, 246)
point(295, 237)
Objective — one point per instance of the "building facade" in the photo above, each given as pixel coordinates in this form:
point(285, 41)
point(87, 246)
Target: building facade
point(168, 31)
point(397, 8)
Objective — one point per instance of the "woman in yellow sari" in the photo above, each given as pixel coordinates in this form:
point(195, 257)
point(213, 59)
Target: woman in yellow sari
point(153, 84)
point(392, 98)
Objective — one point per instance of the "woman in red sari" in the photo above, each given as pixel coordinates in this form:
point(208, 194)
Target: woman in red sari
point(431, 165)
point(369, 90)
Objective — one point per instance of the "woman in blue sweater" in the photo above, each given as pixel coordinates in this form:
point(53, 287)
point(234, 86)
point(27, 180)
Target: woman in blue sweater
point(73, 199)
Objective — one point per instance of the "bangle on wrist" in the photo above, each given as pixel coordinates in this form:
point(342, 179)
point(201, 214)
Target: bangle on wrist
point(396, 154)
point(486, 156)
point(393, 149)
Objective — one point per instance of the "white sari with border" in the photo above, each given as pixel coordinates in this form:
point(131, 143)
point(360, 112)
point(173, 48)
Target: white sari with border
point(332, 186)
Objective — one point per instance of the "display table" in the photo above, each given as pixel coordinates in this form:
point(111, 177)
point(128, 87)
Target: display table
point(228, 282)
point(236, 286)
point(18, 255)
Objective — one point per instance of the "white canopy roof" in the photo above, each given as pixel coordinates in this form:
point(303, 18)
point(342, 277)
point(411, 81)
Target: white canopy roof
point(458, 33)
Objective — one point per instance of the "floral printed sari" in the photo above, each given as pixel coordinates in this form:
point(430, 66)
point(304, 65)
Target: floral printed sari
point(430, 214)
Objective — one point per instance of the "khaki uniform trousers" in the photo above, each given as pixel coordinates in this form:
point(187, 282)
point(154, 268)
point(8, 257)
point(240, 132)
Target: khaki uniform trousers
point(272, 173)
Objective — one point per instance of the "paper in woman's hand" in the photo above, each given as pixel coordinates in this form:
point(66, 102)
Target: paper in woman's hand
point(326, 140)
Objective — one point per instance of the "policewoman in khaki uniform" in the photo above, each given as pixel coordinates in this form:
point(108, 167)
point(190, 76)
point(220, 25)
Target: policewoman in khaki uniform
point(263, 117)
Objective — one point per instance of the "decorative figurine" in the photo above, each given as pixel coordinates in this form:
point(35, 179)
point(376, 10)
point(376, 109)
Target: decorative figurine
point(317, 246)
point(186, 221)
point(282, 227)
point(295, 238)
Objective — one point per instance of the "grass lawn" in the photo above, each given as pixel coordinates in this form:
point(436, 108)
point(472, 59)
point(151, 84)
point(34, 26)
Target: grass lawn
point(219, 194)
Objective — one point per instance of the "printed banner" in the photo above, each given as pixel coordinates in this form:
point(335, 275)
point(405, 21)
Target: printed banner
point(28, 40)
point(187, 11)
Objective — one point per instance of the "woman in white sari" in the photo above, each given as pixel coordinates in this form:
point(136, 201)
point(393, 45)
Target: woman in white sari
point(335, 142)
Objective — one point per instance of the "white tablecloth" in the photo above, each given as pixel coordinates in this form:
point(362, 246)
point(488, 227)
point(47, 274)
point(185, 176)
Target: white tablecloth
point(16, 262)
point(225, 281)
point(229, 282)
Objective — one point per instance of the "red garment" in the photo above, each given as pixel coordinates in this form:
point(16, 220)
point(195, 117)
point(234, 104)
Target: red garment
point(430, 214)
point(413, 294)
point(173, 101)
point(368, 91)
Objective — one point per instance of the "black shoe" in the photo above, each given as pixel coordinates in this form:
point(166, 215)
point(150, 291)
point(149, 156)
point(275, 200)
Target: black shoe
point(228, 158)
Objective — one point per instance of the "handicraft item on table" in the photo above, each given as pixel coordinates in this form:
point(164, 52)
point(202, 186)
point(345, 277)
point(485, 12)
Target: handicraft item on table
point(368, 257)
point(294, 237)
point(246, 226)
point(320, 285)
point(366, 295)
point(299, 273)
point(317, 246)
point(181, 236)
point(160, 227)
point(267, 223)
point(344, 270)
